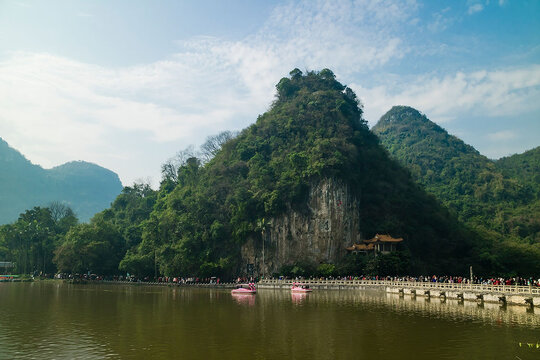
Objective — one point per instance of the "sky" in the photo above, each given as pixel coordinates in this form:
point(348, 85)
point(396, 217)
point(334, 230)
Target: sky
point(127, 84)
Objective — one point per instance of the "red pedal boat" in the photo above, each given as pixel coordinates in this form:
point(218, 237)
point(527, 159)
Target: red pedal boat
point(300, 288)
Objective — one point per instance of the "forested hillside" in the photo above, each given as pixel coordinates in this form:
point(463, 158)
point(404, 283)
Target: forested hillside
point(498, 199)
point(86, 188)
point(524, 168)
point(210, 206)
point(204, 213)
point(524, 221)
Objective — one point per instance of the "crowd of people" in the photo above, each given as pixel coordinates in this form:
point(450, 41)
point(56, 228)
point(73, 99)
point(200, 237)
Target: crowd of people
point(520, 281)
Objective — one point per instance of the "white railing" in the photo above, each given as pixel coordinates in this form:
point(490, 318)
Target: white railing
point(502, 289)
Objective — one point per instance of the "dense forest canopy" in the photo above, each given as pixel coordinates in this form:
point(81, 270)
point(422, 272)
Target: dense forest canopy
point(206, 210)
point(524, 168)
point(30, 241)
point(499, 199)
point(210, 202)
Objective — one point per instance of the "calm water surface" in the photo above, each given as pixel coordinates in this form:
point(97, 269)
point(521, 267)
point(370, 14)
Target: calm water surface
point(49, 320)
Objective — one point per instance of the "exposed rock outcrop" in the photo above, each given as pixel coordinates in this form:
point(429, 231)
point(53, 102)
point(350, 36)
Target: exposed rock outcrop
point(318, 235)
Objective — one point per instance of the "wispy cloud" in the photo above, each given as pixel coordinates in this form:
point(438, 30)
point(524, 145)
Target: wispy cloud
point(84, 14)
point(503, 135)
point(22, 4)
point(506, 92)
point(440, 21)
point(69, 108)
point(473, 9)
point(112, 116)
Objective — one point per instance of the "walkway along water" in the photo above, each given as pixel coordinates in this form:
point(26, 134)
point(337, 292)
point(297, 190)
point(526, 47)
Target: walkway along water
point(506, 294)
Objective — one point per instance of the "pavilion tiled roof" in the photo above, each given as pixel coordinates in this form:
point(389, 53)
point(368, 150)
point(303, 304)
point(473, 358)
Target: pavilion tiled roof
point(383, 238)
point(370, 244)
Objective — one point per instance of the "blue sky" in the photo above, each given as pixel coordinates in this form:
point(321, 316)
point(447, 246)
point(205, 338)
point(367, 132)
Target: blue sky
point(127, 84)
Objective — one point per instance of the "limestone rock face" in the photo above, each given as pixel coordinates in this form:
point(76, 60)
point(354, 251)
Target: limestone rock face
point(318, 235)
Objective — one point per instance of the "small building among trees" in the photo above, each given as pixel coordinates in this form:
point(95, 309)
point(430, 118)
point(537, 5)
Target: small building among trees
point(379, 244)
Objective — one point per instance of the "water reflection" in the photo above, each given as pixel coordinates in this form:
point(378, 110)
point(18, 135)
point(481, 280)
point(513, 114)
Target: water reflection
point(244, 299)
point(298, 298)
point(105, 321)
point(490, 313)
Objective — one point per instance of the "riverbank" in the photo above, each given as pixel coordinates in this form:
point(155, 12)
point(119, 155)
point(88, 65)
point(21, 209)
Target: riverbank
point(480, 293)
point(169, 284)
point(16, 278)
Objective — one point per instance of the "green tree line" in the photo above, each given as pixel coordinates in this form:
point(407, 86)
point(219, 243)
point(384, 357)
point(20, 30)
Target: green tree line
point(211, 201)
point(499, 200)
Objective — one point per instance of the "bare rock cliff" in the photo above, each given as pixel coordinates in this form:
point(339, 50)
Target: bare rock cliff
point(318, 235)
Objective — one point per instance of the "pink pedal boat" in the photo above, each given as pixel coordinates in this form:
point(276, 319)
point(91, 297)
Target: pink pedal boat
point(300, 288)
point(245, 289)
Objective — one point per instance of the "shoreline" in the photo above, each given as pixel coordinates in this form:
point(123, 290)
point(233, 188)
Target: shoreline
point(510, 295)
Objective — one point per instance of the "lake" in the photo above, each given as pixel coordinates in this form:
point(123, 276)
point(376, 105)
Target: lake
point(54, 320)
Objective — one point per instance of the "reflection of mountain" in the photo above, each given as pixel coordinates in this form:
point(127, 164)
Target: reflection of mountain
point(87, 188)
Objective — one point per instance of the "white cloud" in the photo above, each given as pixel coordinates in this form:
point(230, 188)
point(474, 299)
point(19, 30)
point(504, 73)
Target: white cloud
point(475, 8)
point(54, 109)
point(353, 36)
point(503, 135)
point(507, 92)
point(131, 119)
point(440, 21)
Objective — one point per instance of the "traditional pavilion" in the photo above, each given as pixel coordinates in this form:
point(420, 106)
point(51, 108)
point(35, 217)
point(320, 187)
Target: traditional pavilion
point(383, 244)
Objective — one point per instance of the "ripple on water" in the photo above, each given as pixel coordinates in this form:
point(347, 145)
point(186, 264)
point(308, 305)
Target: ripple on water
point(68, 322)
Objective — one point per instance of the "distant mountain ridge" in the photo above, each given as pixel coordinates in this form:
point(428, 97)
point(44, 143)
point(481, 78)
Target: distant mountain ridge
point(87, 188)
point(501, 195)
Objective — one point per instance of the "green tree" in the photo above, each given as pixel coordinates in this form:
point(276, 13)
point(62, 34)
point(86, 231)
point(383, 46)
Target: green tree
point(31, 240)
point(326, 270)
point(97, 247)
